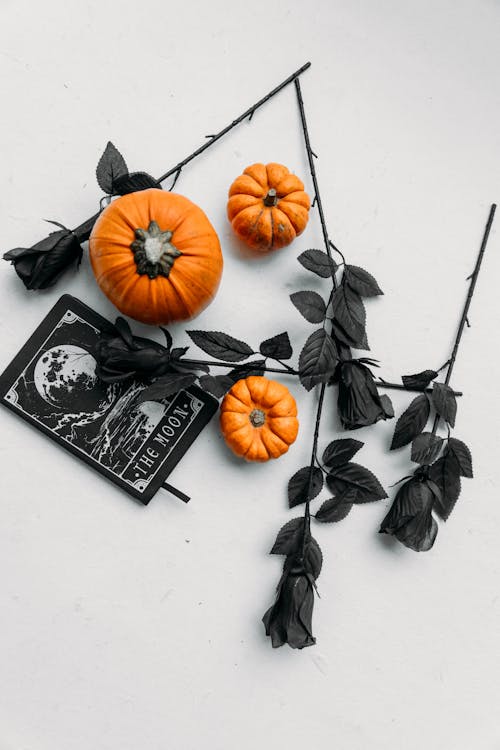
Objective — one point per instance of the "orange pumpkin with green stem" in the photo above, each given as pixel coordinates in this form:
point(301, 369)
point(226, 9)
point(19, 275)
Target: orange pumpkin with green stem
point(156, 256)
point(267, 206)
point(258, 418)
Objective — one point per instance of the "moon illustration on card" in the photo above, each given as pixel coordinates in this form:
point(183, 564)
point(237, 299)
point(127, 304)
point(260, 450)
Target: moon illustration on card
point(65, 377)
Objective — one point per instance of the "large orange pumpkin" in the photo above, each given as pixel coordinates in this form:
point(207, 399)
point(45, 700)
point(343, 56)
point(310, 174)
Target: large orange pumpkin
point(267, 206)
point(258, 418)
point(156, 256)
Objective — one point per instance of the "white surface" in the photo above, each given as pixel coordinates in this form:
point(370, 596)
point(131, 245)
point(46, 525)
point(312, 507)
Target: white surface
point(124, 627)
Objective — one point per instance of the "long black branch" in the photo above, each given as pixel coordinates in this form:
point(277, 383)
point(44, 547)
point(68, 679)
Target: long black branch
point(468, 300)
point(248, 113)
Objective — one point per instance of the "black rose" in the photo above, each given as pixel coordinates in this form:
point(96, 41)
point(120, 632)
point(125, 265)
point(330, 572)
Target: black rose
point(289, 620)
point(120, 355)
point(410, 517)
point(40, 266)
point(359, 402)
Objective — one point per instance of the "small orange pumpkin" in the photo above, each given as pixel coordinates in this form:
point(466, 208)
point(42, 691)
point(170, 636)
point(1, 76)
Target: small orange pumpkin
point(267, 206)
point(156, 256)
point(258, 418)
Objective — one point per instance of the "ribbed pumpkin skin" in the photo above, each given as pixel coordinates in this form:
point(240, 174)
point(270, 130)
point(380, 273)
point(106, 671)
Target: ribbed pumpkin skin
point(281, 425)
point(194, 277)
point(262, 227)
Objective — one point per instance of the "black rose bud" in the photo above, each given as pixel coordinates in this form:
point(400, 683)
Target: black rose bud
point(289, 620)
point(120, 355)
point(40, 266)
point(359, 403)
point(410, 517)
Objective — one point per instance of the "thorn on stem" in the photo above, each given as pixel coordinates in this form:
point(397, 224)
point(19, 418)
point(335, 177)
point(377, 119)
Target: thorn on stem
point(315, 155)
point(467, 322)
point(314, 201)
point(251, 115)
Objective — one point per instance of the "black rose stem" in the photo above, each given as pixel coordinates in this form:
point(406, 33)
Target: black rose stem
point(464, 318)
point(435, 485)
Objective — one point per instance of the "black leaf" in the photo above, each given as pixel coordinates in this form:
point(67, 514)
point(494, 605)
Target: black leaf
point(277, 347)
point(221, 345)
point(359, 478)
point(361, 281)
point(339, 452)
point(257, 367)
point(289, 537)
point(317, 360)
point(445, 472)
point(167, 385)
point(131, 183)
point(336, 508)
point(419, 381)
point(217, 385)
point(313, 561)
point(462, 455)
point(410, 517)
point(311, 305)
point(444, 402)
point(411, 422)
point(349, 311)
point(168, 337)
point(298, 486)
point(318, 262)
point(339, 333)
point(425, 448)
point(111, 166)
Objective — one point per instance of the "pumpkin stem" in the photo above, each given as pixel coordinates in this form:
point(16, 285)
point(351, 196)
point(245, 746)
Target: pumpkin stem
point(154, 254)
point(271, 198)
point(257, 417)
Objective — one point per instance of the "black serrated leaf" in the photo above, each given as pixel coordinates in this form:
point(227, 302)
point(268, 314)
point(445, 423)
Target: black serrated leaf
point(289, 537)
point(349, 310)
point(318, 262)
point(460, 451)
point(444, 402)
point(313, 557)
point(339, 452)
point(111, 166)
point(421, 380)
point(311, 305)
point(340, 335)
point(359, 478)
point(298, 486)
point(257, 367)
point(425, 448)
point(221, 345)
point(133, 182)
point(411, 422)
point(361, 281)
point(336, 508)
point(317, 360)
point(277, 347)
point(445, 472)
point(216, 385)
point(166, 386)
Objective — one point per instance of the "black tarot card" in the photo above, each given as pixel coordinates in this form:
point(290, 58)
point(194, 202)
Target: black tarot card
point(52, 384)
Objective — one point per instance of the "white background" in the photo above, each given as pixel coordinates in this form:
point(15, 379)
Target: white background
point(123, 627)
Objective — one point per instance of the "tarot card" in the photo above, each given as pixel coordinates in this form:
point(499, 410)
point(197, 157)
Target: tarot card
point(52, 384)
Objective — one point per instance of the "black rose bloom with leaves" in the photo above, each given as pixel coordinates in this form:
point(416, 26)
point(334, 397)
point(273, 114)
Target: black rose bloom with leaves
point(289, 620)
point(359, 402)
point(41, 265)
